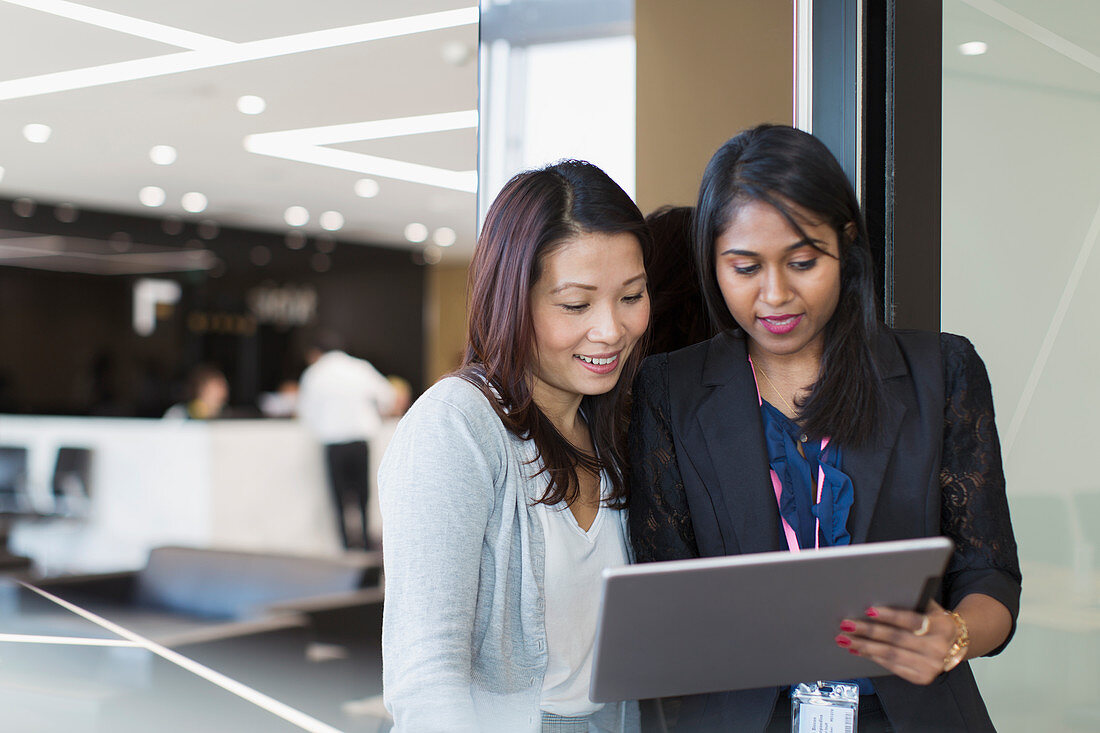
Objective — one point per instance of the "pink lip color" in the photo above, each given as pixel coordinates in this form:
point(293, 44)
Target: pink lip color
point(600, 368)
point(771, 324)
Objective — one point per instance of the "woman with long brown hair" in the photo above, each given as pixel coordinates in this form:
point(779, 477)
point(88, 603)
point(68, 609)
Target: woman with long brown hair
point(502, 489)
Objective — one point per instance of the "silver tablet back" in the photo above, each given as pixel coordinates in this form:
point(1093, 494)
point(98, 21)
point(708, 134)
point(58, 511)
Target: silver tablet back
point(730, 623)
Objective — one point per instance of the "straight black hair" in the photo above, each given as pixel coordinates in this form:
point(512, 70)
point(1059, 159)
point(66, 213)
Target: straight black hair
point(677, 313)
point(533, 215)
point(793, 172)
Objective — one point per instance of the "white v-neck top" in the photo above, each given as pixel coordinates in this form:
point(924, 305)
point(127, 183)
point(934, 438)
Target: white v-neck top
point(575, 560)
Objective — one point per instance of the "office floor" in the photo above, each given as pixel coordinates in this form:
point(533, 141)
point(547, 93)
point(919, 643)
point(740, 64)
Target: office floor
point(61, 671)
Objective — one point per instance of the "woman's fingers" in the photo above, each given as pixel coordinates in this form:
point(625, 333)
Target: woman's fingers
point(909, 644)
point(936, 639)
point(905, 663)
point(909, 620)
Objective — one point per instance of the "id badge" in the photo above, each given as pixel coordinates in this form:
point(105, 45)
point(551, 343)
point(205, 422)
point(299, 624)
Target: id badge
point(824, 707)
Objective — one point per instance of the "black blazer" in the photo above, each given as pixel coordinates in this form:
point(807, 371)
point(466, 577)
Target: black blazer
point(700, 487)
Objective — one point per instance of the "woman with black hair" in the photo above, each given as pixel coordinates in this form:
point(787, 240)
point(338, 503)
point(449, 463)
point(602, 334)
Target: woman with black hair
point(502, 489)
point(677, 313)
point(808, 423)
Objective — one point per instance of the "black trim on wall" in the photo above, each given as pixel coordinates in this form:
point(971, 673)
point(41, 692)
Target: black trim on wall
point(913, 122)
point(873, 195)
point(901, 122)
point(67, 343)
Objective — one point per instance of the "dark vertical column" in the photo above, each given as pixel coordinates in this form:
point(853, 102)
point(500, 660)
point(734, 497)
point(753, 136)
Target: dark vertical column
point(903, 73)
point(873, 195)
point(900, 142)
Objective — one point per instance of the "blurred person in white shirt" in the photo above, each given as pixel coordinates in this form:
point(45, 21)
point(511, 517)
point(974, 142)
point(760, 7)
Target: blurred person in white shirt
point(341, 402)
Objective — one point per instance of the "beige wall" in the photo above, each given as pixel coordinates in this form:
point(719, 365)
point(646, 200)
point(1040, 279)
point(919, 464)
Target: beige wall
point(445, 320)
point(706, 70)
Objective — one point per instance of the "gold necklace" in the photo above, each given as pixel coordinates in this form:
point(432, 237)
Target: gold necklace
point(771, 384)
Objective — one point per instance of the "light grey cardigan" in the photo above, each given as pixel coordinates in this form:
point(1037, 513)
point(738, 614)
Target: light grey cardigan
point(463, 632)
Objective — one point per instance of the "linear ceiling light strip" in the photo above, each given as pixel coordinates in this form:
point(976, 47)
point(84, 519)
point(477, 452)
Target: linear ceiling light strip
point(235, 53)
point(368, 164)
point(373, 130)
point(307, 146)
point(124, 24)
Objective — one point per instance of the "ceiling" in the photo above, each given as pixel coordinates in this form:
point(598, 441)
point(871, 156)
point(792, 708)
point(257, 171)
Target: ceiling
point(1031, 43)
point(113, 78)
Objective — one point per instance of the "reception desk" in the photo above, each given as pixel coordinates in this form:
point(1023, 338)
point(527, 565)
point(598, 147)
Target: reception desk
point(239, 484)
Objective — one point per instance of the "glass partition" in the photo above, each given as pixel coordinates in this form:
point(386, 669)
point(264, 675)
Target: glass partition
point(557, 81)
point(1021, 215)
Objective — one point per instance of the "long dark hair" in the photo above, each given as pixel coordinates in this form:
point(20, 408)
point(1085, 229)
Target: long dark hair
point(535, 213)
point(677, 313)
point(785, 168)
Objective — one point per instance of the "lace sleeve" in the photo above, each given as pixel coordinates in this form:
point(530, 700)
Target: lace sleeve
point(660, 524)
point(974, 511)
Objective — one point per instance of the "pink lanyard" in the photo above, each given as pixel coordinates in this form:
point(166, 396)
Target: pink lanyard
point(777, 485)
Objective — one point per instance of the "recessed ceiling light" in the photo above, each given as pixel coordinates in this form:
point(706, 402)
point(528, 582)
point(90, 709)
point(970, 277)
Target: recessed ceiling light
point(456, 53)
point(416, 232)
point(24, 207)
point(973, 48)
point(152, 196)
point(66, 213)
point(332, 221)
point(432, 254)
point(171, 225)
point(295, 239)
point(366, 187)
point(208, 229)
point(260, 255)
point(193, 201)
point(444, 236)
point(36, 132)
point(296, 216)
point(162, 154)
point(250, 104)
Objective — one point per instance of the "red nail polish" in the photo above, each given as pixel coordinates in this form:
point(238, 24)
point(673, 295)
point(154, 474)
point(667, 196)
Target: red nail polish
point(843, 641)
point(871, 612)
point(847, 626)
point(853, 651)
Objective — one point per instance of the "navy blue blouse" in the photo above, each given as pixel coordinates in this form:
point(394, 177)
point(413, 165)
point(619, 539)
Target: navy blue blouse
point(798, 475)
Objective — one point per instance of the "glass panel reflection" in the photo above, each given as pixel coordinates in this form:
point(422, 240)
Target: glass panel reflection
point(1021, 216)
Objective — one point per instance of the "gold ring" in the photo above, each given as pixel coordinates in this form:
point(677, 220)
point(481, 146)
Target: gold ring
point(924, 624)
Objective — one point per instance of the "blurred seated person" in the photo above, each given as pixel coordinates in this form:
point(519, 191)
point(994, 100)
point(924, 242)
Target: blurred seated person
point(678, 315)
point(208, 392)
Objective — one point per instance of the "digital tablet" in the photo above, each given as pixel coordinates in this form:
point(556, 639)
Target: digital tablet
point(733, 623)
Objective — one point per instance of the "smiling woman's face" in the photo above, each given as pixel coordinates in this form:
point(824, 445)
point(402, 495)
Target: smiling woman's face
point(780, 286)
point(589, 307)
